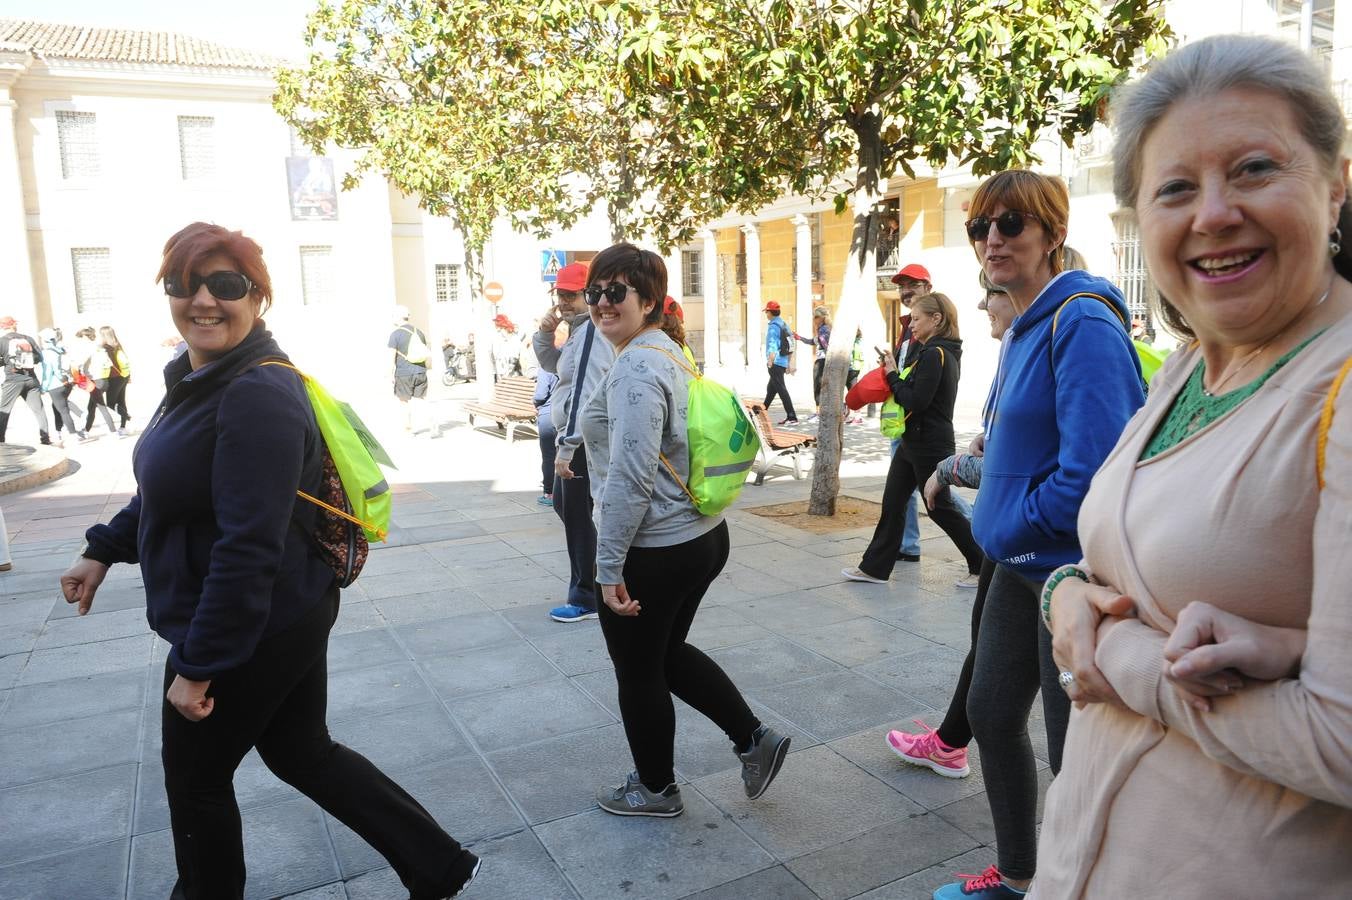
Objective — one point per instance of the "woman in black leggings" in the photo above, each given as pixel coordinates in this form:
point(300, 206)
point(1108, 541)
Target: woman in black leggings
point(119, 375)
point(656, 554)
point(927, 395)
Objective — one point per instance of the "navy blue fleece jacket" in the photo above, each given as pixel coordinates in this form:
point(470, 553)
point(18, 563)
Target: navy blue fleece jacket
point(1057, 408)
point(222, 539)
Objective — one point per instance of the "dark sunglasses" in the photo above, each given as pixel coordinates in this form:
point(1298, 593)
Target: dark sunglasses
point(615, 292)
point(224, 285)
point(1010, 222)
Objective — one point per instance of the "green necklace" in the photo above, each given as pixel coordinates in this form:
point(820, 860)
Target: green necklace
point(1195, 409)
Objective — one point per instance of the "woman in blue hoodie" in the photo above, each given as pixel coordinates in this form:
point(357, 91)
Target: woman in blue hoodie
point(1068, 381)
point(236, 586)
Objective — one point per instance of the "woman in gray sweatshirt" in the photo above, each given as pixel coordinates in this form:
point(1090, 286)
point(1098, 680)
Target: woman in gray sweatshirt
point(656, 554)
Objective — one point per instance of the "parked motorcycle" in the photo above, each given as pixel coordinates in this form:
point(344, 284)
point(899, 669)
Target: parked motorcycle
point(459, 363)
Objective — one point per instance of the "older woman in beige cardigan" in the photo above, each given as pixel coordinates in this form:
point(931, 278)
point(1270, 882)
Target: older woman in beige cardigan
point(1206, 637)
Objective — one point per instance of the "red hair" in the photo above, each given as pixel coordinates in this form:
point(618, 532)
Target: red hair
point(187, 248)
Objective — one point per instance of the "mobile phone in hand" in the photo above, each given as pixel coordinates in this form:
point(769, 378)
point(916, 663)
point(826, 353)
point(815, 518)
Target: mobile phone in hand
point(883, 352)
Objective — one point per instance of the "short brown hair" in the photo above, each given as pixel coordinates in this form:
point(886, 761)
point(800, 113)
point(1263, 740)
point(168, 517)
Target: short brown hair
point(1044, 196)
point(199, 240)
point(932, 303)
point(643, 269)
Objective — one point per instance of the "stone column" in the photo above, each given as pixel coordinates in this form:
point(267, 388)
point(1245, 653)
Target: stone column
point(755, 317)
point(709, 258)
point(20, 300)
point(802, 280)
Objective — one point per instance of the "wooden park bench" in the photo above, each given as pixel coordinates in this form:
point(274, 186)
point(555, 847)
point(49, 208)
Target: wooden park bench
point(778, 448)
point(512, 404)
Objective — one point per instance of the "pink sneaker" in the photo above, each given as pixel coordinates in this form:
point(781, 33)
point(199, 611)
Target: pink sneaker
point(927, 750)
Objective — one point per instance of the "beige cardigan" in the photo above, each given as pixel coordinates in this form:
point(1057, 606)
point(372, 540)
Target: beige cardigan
point(1253, 799)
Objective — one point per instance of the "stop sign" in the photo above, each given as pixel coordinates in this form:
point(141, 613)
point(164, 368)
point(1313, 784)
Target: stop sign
point(493, 292)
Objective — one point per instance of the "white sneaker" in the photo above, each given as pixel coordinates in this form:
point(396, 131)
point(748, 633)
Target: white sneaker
point(967, 582)
point(856, 574)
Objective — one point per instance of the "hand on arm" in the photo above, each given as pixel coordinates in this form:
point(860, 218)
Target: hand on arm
point(1079, 609)
point(1211, 651)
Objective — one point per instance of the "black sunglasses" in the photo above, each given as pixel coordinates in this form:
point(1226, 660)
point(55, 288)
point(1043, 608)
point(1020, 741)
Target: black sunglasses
point(223, 285)
point(615, 292)
point(1010, 222)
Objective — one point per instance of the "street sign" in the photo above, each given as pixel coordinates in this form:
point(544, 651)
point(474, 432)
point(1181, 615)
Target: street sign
point(493, 292)
point(550, 263)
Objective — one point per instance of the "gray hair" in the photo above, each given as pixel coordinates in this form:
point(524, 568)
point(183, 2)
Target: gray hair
point(1208, 67)
point(1204, 69)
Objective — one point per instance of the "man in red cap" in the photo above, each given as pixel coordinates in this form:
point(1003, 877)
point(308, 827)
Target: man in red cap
point(912, 281)
point(21, 358)
point(778, 342)
point(581, 364)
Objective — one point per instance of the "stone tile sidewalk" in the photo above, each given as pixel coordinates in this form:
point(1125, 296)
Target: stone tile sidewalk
point(446, 671)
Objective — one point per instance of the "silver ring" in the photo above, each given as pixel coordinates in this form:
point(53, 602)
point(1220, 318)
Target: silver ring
point(1067, 678)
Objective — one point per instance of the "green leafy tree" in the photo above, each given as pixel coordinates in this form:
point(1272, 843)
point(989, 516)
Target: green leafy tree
point(806, 92)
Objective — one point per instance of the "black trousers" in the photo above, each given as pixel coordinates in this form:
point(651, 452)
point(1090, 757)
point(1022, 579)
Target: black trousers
point(777, 388)
point(907, 472)
point(98, 400)
point(1014, 660)
point(27, 389)
point(653, 661)
point(573, 503)
point(818, 373)
point(276, 702)
point(64, 411)
point(116, 393)
point(956, 730)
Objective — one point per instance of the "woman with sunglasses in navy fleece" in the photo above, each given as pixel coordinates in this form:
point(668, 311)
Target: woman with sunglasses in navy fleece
point(1068, 381)
point(235, 585)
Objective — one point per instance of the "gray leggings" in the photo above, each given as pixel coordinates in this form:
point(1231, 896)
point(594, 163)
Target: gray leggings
point(1014, 659)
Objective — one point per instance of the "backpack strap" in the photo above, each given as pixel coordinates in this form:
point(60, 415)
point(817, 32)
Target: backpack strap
point(1326, 421)
point(1056, 317)
point(580, 377)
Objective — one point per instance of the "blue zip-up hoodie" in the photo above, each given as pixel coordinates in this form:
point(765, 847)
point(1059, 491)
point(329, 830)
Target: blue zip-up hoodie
point(223, 542)
point(774, 330)
point(1057, 409)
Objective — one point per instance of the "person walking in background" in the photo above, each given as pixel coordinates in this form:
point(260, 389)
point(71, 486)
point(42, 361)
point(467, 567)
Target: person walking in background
point(119, 376)
point(777, 348)
point(581, 364)
point(506, 348)
point(819, 341)
point(944, 750)
point(928, 395)
point(22, 358)
point(1204, 634)
point(656, 553)
point(57, 384)
point(410, 367)
point(1060, 400)
point(237, 588)
point(90, 359)
point(545, 382)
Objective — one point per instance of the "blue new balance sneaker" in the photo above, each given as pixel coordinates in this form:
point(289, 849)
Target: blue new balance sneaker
point(986, 886)
point(571, 613)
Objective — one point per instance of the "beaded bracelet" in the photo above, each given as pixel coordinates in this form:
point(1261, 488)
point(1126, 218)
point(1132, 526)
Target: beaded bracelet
point(1058, 576)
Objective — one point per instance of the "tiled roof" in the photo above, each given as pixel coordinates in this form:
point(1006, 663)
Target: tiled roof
point(57, 41)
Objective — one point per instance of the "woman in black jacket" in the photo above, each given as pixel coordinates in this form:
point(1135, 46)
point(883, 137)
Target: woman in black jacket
point(927, 395)
point(235, 586)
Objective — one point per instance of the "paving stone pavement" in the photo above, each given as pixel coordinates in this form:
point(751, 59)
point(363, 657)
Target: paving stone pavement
point(446, 671)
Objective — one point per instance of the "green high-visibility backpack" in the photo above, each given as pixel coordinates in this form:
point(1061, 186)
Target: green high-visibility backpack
point(723, 443)
point(892, 418)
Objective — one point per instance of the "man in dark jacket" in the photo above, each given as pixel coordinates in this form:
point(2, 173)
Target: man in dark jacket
point(22, 359)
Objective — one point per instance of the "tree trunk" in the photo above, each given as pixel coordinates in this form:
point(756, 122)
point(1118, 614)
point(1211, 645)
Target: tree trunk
point(858, 309)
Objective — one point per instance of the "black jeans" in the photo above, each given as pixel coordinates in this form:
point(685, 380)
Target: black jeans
point(905, 473)
point(653, 661)
point(117, 397)
point(1014, 659)
point(956, 730)
point(276, 702)
point(573, 503)
point(22, 387)
point(98, 400)
point(777, 388)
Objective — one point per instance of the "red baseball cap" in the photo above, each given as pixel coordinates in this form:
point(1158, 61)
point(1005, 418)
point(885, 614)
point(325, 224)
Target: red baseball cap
point(913, 271)
point(672, 308)
point(572, 277)
point(773, 305)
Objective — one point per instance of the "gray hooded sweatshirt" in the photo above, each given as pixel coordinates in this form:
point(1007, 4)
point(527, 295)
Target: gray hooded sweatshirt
point(572, 392)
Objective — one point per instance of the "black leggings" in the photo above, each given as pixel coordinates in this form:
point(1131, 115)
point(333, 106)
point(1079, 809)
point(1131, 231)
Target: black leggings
point(97, 400)
point(276, 702)
point(1014, 659)
point(818, 373)
point(117, 397)
point(653, 661)
point(956, 730)
point(905, 473)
